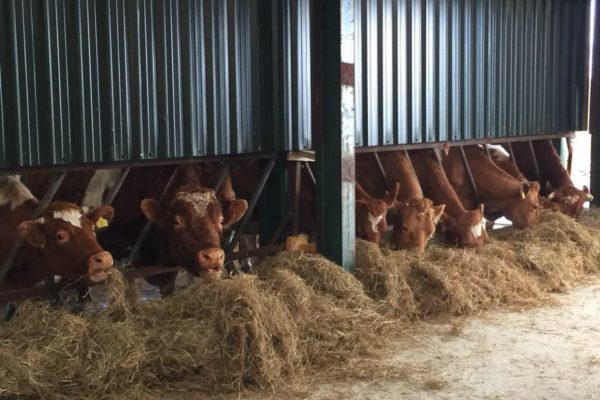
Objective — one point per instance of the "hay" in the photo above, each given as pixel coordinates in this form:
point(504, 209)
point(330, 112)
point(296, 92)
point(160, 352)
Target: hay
point(298, 313)
point(515, 268)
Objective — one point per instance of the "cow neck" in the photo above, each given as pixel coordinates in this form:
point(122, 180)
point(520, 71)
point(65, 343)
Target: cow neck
point(399, 169)
point(493, 183)
point(435, 184)
point(550, 165)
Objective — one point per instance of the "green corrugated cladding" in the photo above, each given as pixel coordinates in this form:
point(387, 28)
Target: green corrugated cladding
point(437, 70)
point(112, 80)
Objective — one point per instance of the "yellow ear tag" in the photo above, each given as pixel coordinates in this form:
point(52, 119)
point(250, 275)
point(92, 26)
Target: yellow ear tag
point(522, 195)
point(101, 223)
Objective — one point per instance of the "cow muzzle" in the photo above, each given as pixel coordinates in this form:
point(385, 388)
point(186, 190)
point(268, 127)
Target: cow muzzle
point(99, 266)
point(210, 261)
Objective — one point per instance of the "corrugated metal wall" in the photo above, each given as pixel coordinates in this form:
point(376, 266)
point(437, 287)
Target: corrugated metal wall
point(112, 80)
point(437, 70)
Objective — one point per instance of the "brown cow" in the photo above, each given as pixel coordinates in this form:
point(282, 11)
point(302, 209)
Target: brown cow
point(371, 213)
point(414, 216)
point(518, 201)
point(62, 241)
point(461, 226)
point(189, 222)
point(563, 193)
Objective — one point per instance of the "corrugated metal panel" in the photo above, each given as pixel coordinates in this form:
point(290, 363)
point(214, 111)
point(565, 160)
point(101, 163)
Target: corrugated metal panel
point(436, 70)
point(111, 80)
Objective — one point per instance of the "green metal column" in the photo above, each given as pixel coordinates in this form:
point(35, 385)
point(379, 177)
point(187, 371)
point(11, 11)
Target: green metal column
point(334, 145)
point(594, 111)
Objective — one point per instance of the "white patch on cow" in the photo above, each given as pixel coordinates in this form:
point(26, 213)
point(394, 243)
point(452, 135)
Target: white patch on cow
point(199, 200)
point(103, 180)
point(71, 216)
point(13, 192)
point(571, 199)
point(477, 230)
point(375, 220)
point(497, 152)
point(40, 220)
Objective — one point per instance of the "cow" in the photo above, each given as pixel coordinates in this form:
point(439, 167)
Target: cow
point(517, 200)
point(502, 159)
point(61, 241)
point(188, 222)
point(562, 192)
point(414, 217)
point(458, 225)
point(371, 213)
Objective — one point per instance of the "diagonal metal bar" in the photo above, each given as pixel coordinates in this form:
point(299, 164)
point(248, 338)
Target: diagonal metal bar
point(437, 157)
point(512, 154)
point(114, 191)
point(57, 180)
point(222, 174)
point(412, 168)
point(148, 226)
point(280, 228)
point(536, 166)
point(470, 174)
point(259, 189)
point(310, 172)
point(569, 156)
point(382, 170)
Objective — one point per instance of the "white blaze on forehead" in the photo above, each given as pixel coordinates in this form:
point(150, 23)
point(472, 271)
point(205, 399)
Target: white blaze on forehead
point(71, 216)
point(13, 192)
point(375, 220)
point(199, 200)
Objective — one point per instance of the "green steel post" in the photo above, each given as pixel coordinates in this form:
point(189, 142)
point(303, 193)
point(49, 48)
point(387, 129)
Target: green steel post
point(334, 145)
point(272, 204)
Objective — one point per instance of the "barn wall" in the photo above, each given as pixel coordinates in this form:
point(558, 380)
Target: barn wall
point(429, 70)
point(110, 80)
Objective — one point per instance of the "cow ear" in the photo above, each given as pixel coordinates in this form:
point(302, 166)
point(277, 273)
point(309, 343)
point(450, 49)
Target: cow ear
point(481, 208)
point(534, 187)
point(102, 216)
point(153, 211)
point(390, 197)
point(32, 233)
point(438, 211)
point(234, 212)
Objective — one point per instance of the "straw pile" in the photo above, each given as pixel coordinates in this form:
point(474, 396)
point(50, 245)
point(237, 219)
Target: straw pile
point(298, 313)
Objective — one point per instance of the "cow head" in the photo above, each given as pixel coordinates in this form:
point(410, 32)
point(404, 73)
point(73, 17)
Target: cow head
point(415, 223)
point(523, 208)
point(570, 200)
point(371, 215)
point(467, 229)
point(194, 221)
point(66, 238)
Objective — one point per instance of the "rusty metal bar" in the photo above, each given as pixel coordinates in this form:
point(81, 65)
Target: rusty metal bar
point(409, 163)
point(148, 226)
point(417, 146)
point(222, 174)
point(382, 171)
point(437, 157)
point(310, 172)
point(114, 191)
point(536, 166)
point(470, 175)
point(297, 189)
point(259, 189)
point(57, 180)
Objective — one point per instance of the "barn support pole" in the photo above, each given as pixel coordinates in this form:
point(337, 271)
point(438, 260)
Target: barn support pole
point(57, 180)
point(297, 188)
point(334, 135)
point(594, 111)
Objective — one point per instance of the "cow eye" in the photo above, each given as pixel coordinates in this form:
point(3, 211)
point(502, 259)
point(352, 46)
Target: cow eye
point(177, 221)
point(222, 221)
point(62, 237)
